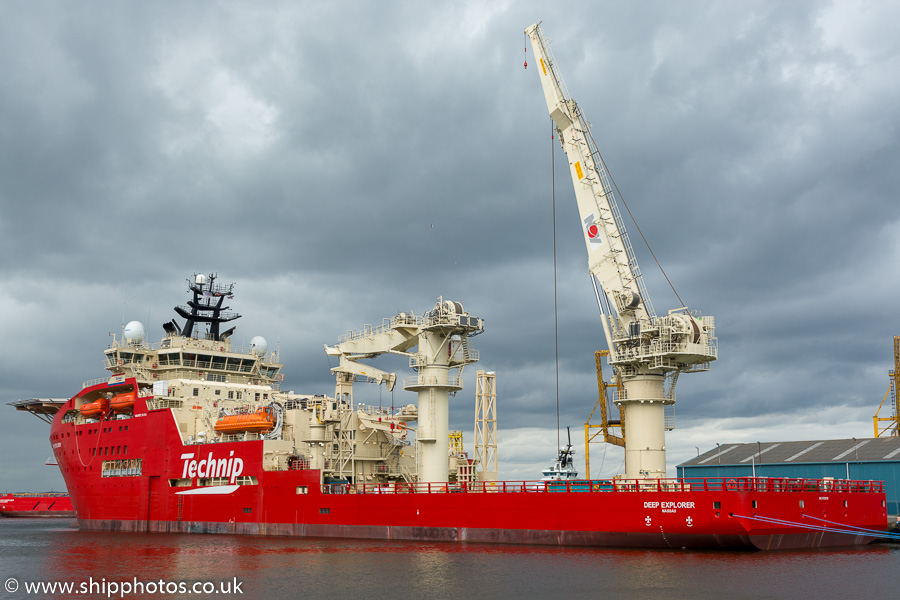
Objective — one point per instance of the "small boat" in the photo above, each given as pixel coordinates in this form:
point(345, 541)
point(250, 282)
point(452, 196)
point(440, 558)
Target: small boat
point(564, 469)
point(261, 421)
point(122, 402)
point(49, 504)
point(94, 409)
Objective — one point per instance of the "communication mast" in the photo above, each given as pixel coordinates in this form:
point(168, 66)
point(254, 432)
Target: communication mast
point(486, 425)
point(206, 307)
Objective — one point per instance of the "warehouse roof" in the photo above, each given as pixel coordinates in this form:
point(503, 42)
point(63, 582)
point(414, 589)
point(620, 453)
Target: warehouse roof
point(815, 451)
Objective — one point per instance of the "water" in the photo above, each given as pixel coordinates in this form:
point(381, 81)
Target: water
point(52, 551)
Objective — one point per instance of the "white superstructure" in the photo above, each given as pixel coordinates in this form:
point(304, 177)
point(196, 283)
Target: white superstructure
point(216, 387)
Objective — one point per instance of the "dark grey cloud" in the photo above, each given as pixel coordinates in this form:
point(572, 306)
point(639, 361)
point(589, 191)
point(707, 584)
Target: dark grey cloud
point(348, 161)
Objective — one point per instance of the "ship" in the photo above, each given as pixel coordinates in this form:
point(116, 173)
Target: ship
point(31, 505)
point(195, 434)
point(564, 468)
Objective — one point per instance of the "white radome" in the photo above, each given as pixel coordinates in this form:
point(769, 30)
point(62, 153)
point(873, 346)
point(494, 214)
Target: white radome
point(134, 332)
point(259, 346)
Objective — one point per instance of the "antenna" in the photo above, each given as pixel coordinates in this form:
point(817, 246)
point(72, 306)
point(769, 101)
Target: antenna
point(124, 302)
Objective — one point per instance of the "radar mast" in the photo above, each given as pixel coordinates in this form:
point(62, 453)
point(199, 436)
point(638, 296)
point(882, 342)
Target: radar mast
point(206, 307)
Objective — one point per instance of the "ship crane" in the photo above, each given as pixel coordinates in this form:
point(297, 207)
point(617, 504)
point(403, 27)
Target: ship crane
point(645, 350)
point(440, 340)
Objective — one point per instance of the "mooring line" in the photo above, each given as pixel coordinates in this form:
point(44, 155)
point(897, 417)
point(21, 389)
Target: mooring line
point(858, 531)
point(862, 529)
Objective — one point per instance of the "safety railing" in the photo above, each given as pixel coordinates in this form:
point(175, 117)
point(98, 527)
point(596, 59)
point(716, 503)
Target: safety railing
point(691, 485)
point(159, 402)
point(423, 381)
point(387, 324)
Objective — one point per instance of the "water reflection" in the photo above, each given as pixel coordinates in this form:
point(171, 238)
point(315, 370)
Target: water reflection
point(282, 567)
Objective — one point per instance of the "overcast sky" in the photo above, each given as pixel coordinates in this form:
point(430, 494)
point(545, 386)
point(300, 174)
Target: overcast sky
point(345, 161)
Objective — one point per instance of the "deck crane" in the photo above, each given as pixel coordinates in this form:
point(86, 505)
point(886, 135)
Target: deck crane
point(440, 340)
point(646, 351)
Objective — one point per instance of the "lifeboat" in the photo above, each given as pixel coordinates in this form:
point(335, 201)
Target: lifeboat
point(123, 402)
point(261, 421)
point(97, 408)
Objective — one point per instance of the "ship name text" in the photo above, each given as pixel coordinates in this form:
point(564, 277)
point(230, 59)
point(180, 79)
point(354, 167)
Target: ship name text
point(668, 505)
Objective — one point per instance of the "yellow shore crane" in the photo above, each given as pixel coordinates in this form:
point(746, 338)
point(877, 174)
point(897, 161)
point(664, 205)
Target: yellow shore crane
point(893, 427)
point(605, 422)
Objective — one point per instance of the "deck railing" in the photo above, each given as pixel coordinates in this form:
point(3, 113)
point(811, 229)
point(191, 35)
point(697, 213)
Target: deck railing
point(693, 484)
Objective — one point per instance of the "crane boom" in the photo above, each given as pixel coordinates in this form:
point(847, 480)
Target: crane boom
point(645, 350)
point(611, 259)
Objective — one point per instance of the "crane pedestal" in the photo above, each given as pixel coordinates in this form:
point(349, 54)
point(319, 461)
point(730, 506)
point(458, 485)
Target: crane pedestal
point(433, 444)
point(643, 403)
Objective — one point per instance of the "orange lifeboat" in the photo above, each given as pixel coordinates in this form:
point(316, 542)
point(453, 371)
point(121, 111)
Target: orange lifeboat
point(97, 408)
point(123, 402)
point(261, 421)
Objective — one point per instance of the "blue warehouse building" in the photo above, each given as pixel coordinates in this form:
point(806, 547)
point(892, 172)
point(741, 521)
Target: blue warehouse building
point(876, 459)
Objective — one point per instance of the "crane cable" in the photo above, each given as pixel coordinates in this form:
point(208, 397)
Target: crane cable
point(526, 49)
point(555, 305)
point(633, 220)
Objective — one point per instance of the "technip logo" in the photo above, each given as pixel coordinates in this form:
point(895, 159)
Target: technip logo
point(212, 467)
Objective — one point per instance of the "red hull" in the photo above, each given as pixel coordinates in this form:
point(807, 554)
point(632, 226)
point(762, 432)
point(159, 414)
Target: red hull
point(36, 505)
point(152, 483)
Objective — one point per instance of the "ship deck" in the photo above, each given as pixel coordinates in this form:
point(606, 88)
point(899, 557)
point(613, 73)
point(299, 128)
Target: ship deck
point(695, 484)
